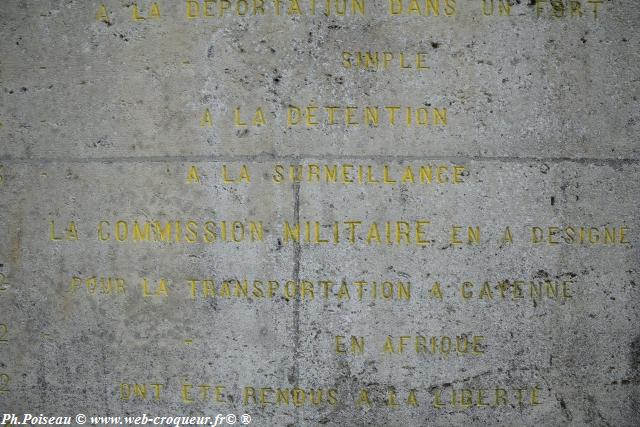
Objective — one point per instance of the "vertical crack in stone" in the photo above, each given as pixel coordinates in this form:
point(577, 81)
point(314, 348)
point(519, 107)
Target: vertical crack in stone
point(296, 301)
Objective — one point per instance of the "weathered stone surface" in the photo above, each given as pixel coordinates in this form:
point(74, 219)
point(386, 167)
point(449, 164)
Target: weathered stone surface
point(103, 125)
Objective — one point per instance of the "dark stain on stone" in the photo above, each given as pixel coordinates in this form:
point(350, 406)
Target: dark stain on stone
point(565, 410)
point(541, 274)
point(121, 36)
point(635, 356)
point(544, 168)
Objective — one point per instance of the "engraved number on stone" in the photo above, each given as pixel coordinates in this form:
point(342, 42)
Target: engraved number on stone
point(4, 383)
point(3, 333)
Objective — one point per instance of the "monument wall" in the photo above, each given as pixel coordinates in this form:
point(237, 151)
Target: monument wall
point(329, 212)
